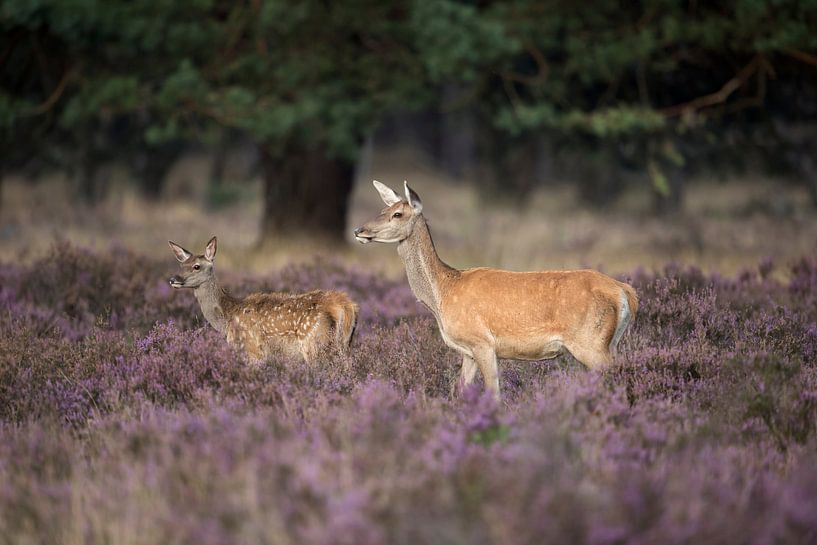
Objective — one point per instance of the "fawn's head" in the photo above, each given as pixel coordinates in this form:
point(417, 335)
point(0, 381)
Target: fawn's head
point(196, 269)
point(395, 222)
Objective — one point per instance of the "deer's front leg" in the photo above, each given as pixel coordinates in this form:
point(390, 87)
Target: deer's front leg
point(467, 372)
point(486, 359)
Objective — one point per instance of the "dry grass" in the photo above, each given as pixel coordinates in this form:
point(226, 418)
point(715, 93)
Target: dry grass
point(725, 227)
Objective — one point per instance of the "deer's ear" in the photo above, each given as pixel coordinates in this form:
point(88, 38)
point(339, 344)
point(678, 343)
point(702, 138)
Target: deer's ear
point(388, 195)
point(413, 198)
point(210, 250)
point(181, 254)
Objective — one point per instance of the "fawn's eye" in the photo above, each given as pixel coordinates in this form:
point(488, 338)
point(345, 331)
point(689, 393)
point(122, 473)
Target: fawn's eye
point(397, 215)
point(196, 267)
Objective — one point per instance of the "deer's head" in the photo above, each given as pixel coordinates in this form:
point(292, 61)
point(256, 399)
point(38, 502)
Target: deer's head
point(196, 269)
point(395, 222)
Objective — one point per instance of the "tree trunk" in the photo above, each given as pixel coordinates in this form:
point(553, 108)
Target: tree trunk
point(216, 196)
point(91, 173)
point(508, 172)
point(306, 194)
point(152, 167)
point(599, 170)
point(89, 184)
point(456, 151)
point(807, 168)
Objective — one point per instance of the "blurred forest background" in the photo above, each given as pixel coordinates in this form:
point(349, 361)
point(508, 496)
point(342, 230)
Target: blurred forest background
point(539, 133)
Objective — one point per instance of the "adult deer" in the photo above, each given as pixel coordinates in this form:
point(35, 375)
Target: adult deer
point(487, 314)
point(265, 323)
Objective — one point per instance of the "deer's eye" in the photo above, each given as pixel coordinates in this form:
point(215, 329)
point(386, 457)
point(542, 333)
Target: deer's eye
point(397, 215)
point(196, 267)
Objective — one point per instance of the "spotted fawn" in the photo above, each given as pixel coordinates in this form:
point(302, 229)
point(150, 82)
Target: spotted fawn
point(262, 324)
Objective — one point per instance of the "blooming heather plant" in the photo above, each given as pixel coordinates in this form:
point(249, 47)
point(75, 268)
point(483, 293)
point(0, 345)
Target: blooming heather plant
point(123, 420)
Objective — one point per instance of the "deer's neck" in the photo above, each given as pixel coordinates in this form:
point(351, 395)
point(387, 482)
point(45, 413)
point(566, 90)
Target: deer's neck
point(214, 304)
point(428, 276)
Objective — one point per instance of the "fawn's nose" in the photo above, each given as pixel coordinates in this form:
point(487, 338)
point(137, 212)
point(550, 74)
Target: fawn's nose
point(175, 281)
point(358, 230)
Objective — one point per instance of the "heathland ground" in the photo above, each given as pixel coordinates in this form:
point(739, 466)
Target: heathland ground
point(125, 419)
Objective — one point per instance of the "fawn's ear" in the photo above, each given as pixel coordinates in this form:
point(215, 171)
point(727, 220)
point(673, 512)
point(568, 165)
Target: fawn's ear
point(181, 254)
point(210, 250)
point(413, 198)
point(388, 194)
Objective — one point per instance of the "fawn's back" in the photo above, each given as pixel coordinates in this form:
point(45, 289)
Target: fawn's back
point(294, 324)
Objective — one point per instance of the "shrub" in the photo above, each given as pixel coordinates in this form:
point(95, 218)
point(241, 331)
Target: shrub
point(124, 419)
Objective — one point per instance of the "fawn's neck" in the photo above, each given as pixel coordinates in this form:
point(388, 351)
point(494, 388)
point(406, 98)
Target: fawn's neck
point(426, 272)
point(213, 301)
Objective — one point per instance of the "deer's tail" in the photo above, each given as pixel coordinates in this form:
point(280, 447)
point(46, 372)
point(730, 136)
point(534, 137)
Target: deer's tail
point(344, 313)
point(628, 308)
point(632, 299)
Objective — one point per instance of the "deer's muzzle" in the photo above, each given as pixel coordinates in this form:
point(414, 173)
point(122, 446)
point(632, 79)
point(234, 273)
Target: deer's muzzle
point(362, 235)
point(176, 281)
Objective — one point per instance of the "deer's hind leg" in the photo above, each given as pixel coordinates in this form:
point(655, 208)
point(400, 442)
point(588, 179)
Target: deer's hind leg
point(592, 345)
point(317, 339)
point(593, 351)
point(593, 358)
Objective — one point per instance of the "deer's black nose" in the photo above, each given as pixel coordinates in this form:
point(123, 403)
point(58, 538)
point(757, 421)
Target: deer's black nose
point(358, 230)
